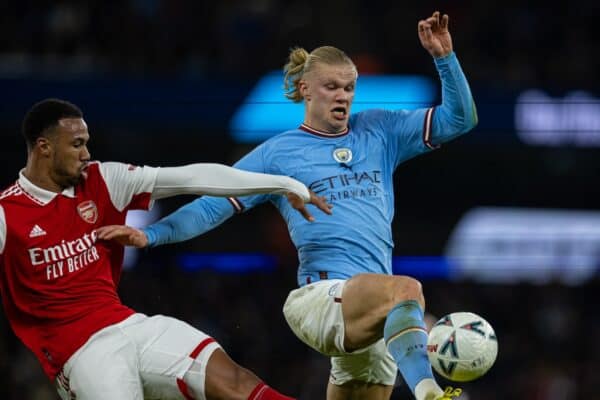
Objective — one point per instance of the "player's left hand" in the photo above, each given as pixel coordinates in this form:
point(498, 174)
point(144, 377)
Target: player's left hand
point(319, 201)
point(123, 234)
point(434, 35)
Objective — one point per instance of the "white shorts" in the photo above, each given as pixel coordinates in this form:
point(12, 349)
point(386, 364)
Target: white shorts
point(314, 313)
point(139, 358)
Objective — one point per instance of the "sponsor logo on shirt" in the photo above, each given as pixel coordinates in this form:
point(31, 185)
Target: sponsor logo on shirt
point(65, 257)
point(348, 186)
point(88, 211)
point(36, 231)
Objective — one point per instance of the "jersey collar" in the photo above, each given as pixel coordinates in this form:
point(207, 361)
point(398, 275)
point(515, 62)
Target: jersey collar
point(38, 194)
point(319, 133)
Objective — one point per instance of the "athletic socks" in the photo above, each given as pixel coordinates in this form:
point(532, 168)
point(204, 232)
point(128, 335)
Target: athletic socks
point(264, 392)
point(406, 339)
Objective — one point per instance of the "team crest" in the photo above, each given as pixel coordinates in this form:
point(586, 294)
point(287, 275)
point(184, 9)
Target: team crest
point(342, 155)
point(88, 211)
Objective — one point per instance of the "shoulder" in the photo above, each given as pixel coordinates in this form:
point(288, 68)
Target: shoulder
point(369, 120)
point(12, 192)
point(280, 140)
point(94, 167)
point(110, 170)
point(377, 116)
point(292, 134)
point(381, 118)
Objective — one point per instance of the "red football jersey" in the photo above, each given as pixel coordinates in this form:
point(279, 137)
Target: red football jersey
point(58, 283)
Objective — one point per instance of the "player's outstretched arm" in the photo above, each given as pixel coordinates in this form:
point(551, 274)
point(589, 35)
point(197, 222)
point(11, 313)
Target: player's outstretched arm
point(191, 220)
point(223, 181)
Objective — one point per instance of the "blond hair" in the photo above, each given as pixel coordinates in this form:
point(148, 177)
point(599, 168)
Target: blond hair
point(301, 62)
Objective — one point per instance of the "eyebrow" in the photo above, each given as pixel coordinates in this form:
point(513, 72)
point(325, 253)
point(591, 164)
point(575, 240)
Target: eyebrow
point(337, 81)
point(82, 137)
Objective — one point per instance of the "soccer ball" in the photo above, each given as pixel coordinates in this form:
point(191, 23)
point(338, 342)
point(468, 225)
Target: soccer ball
point(462, 346)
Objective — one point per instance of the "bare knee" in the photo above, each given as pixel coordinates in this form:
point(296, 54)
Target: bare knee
point(404, 288)
point(367, 301)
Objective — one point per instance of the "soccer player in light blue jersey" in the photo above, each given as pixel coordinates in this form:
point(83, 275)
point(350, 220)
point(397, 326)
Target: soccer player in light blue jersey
point(348, 305)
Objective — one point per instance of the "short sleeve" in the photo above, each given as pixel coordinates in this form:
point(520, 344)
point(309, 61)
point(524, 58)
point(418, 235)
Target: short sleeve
point(129, 186)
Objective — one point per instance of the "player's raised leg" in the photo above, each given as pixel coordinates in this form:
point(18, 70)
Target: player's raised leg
point(177, 360)
point(227, 380)
point(374, 305)
point(105, 367)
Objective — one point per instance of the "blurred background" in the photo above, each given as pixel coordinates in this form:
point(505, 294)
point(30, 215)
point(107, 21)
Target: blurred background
point(504, 222)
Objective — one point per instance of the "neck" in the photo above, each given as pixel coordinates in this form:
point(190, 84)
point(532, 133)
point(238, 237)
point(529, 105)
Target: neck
point(325, 129)
point(39, 175)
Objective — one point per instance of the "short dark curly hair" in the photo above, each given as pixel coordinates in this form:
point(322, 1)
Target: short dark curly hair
point(45, 115)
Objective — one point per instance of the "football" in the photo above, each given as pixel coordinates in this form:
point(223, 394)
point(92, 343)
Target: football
point(462, 346)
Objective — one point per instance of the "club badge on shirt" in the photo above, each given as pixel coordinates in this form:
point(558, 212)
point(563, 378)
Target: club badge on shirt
point(342, 155)
point(88, 211)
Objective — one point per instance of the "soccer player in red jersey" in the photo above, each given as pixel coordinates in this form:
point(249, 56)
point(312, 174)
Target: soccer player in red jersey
point(58, 280)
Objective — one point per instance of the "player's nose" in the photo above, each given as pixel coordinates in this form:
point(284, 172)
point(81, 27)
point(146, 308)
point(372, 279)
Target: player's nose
point(342, 96)
point(85, 154)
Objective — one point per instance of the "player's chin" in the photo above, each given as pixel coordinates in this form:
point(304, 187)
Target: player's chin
point(339, 125)
point(75, 179)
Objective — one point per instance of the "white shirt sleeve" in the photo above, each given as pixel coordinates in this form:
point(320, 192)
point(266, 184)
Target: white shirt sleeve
point(2, 229)
point(221, 180)
point(124, 181)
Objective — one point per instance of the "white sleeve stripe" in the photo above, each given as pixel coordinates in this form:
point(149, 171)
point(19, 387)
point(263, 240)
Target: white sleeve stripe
point(2, 229)
point(427, 129)
point(237, 205)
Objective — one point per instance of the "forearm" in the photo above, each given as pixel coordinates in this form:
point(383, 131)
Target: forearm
point(223, 181)
point(189, 221)
point(457, 113)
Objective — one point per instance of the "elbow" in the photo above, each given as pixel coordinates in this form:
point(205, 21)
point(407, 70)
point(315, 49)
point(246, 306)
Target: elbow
point(474, 116)
point(456, 123)
point(470, 120)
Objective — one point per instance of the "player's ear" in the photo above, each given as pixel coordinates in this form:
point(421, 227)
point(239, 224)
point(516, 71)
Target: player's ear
point(44, 145)
point(304, 90)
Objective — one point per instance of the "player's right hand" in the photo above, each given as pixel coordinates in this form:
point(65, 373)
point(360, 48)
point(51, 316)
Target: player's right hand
point(123, 234)
point(434, 35)
point(319, 201)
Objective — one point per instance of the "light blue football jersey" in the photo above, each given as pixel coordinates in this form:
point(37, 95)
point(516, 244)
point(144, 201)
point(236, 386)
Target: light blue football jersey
point(353, 170)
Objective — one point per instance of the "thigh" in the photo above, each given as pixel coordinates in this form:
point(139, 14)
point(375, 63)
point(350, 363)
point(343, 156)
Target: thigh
point(104, 368)
point(366, 301)
point(167, 349)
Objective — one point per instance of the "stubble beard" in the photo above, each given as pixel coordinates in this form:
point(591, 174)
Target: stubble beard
point(65, 178)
